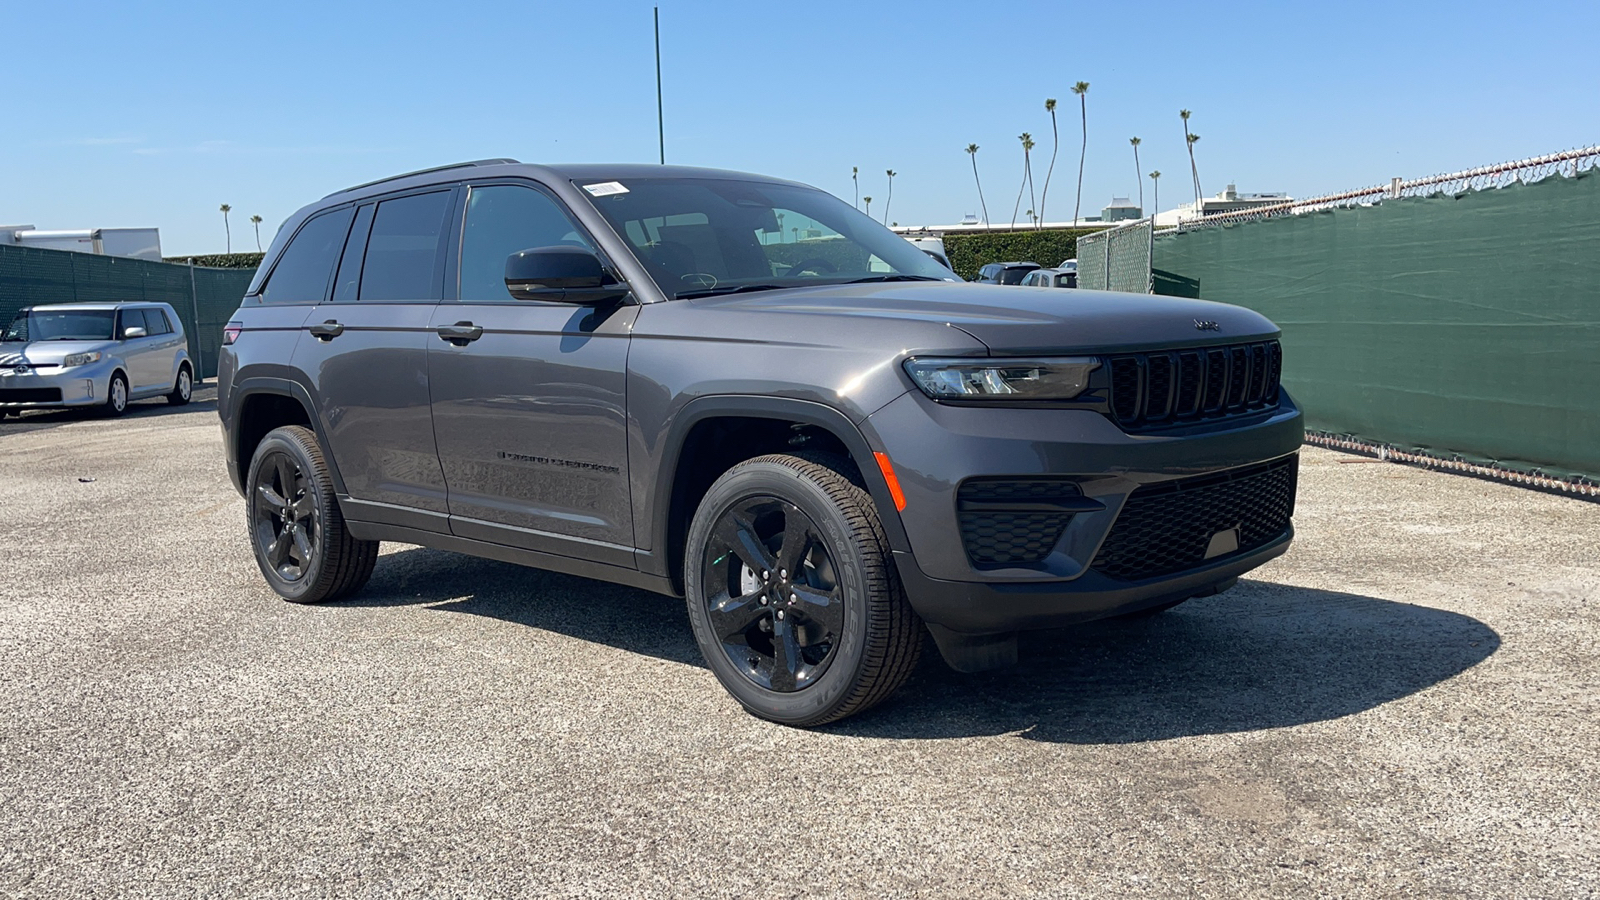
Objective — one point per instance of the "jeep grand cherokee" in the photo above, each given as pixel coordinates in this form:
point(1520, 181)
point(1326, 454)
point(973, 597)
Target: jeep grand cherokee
point(741, 391)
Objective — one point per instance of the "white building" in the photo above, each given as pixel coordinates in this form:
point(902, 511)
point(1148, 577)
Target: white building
point(1229, 200)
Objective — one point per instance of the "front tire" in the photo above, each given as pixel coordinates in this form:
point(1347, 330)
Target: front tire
point(792, 594)
point(296, 527)
point(116, 395)
point(183, 388)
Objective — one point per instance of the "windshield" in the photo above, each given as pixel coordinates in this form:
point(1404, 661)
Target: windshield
point(62, 325)
point(712, 236)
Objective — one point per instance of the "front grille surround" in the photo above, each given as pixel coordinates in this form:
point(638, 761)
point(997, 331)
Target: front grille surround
point(1161, 389)
point(1166, 528)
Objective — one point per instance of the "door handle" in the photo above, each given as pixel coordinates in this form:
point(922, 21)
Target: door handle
point(461, 333)
point(327, 331)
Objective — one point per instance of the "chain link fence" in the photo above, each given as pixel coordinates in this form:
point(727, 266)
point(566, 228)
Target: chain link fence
point(203, 298)
point(1117, 259)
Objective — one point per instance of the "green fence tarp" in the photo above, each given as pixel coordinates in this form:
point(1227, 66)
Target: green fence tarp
point(1465, 324)
point(30, 276)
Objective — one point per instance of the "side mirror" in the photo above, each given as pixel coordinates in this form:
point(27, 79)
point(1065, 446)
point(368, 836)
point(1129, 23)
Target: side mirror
point(561, 275)
point(135, 331)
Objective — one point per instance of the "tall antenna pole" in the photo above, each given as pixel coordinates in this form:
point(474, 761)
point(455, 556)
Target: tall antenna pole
point(661, 129)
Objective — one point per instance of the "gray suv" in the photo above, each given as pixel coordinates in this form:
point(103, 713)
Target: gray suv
point(741, 391)
point(93, 354)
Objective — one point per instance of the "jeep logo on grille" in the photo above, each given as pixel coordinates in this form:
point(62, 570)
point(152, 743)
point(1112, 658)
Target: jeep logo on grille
point(1205, 325)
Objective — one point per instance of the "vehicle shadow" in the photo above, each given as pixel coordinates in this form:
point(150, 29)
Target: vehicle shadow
point(1260, 656)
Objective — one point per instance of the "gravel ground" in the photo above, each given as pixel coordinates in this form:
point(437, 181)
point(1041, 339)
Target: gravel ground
point(1405, 704)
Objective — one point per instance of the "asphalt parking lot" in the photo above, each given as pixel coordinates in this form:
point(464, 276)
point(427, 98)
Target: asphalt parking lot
point(1406, 704)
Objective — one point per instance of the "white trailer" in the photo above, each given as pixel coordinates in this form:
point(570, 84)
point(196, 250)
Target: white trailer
point(139, 243)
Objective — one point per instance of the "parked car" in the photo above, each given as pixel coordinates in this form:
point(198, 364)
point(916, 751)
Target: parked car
point(932, 245)
point(623, 372)
point(1005, 273)
point(93, 354)
point(1055, 278)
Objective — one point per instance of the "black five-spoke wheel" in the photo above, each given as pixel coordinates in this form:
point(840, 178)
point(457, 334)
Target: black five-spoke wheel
point(296, 527)
point(285, 529)
point(773, 595)
point(792, 594)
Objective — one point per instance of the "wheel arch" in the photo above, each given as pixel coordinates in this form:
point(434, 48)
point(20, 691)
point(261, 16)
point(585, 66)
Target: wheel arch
point(258, 405)
point(712, 434)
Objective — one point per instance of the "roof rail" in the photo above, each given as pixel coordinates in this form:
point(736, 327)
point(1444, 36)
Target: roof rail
point(460, 165)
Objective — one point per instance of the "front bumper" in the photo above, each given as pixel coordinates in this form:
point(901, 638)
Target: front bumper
point(51, 388)
point(935, 447)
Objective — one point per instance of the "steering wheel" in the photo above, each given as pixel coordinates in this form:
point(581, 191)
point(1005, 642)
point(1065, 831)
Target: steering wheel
point(699, 279)
point(811, 263)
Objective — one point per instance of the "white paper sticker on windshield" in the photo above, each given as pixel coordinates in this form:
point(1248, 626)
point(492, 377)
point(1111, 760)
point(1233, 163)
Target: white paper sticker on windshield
point(605, 188)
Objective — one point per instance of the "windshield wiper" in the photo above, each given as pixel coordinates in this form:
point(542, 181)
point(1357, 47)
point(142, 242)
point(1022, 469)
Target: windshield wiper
point(893, 278)
point(738, 289)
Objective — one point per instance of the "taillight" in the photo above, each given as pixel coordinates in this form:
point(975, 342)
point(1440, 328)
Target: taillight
point(230, 332)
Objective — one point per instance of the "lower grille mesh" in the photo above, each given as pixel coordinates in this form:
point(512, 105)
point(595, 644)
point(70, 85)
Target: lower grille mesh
point(1166, 528)
point(995, 537)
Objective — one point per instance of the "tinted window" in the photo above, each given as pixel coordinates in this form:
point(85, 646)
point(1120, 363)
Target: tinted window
point(403, 251)
point(1013, 276)
point(155, 322)
point(349, 280)
point(501, 220)
point(302, 272)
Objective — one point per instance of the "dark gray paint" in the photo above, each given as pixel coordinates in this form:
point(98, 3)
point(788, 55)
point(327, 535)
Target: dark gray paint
point(619, 387)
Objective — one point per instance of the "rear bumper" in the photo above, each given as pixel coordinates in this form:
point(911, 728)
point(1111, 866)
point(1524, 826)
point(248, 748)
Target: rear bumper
point(992, 607)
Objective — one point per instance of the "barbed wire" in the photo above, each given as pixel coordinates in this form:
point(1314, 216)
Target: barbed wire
point(1568, 164)
point(1575, 485)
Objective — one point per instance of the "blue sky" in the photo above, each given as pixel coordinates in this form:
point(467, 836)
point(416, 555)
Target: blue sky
point(122, 114)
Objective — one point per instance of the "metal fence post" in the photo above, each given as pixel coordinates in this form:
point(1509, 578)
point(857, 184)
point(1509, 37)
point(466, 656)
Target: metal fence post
point(194, 306)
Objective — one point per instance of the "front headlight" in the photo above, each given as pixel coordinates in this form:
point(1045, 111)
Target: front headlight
point(1060, 378)
point(80, 359)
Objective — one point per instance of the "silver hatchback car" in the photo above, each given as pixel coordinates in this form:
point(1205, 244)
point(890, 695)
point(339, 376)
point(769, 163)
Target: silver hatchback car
point(93, 354)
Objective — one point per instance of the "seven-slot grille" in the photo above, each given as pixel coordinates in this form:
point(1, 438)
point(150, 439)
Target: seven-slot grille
point(1168, 527)
point(1163, 388)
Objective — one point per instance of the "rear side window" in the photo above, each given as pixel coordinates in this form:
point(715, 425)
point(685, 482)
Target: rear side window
point(502, 220)
point(155, 322)
point(402, 260)
point(303, 271)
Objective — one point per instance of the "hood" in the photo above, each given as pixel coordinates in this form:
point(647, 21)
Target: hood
point(1015, 320)
point(36, 353)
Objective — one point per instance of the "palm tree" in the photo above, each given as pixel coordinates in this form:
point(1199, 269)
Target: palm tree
point(1135, 142)
point(1081, 89)
point(1027, 174)
point(1055, 145)
point(972, 151)
point(1193, 173)
point(853, 173)
point(1194, 139)
point(1029, 214)
point(869, 205)
point(1155, 181)
point(256, 221)
point(889, 199)
point(226, 230)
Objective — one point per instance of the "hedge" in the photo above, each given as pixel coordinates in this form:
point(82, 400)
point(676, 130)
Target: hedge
point(220, 260)
point(971, 251)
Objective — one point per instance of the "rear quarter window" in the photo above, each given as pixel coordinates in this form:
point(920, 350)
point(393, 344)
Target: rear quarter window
point(303, 271)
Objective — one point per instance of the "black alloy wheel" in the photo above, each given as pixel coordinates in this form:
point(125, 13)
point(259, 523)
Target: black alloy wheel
point(296, 527)
point(793, 596)
point(285, 528)
point(773, 600)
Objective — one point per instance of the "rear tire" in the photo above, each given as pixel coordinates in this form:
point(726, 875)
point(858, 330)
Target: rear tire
point(296, 528)
point(183, 387)
point(116, 396)
point(792, 594)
